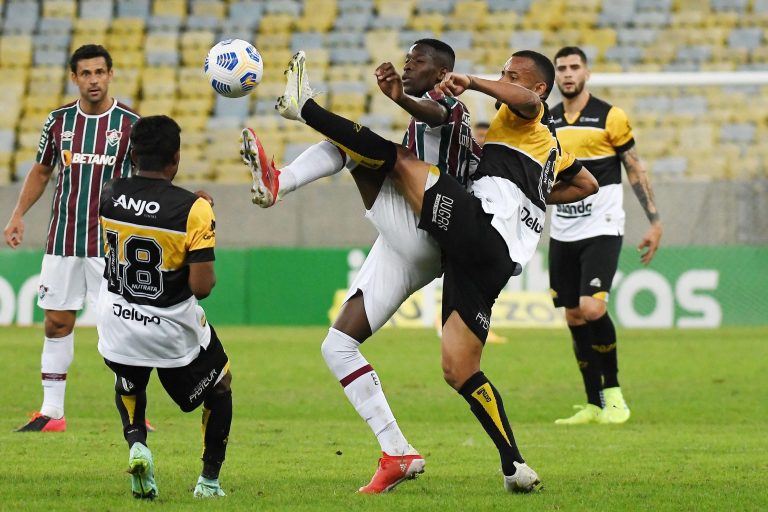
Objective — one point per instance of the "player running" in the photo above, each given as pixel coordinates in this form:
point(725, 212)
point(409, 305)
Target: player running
point(160, 257)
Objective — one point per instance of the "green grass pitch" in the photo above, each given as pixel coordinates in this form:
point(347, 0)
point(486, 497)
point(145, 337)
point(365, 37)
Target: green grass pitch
point(696, 439)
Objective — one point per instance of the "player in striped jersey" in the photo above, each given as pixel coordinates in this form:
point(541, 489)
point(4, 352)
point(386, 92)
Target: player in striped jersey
point(485, 236)
point(586, 236)
point(88, 141)
point(160, 241)
point(403, 259)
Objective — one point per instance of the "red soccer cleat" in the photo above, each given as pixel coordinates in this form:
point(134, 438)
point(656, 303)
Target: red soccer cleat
point(392, 470)
point(148, 425)
point(40, 423)
point(266, 178)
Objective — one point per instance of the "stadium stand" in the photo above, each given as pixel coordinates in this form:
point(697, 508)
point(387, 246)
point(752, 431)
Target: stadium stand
point(159, 46)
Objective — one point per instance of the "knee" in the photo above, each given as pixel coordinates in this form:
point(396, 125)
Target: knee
point(573, 316)
point(452, 374)
point(59, 324)
point(592, 309)
point(224, 386)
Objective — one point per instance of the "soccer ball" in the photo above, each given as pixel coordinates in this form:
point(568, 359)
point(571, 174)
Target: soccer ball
point(234, 67)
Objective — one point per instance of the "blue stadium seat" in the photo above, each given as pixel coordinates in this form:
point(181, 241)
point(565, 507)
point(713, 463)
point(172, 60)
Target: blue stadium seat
point(283, 7)
point(345, 39)
point(749, 38)
point(353, 20)
point(306, 40)
point(439, 6)
point(344, 55)
point(96, 9)
point(458, 39)
point(245, 14)
point(133, 9)
point(20, 17)
point(203, 22)
point(389, 22)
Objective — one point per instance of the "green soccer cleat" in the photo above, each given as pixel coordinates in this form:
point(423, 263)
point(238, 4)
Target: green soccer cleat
point(616, 410)
point(142, 471)
point(297, 89)
point(207, 488)
point(589, 413)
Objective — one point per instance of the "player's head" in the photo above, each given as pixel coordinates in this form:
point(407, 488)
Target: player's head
point(531, 70)
point(479, 131)
point(427, 62)
point(571, 71)
point(155, 143)
point(91, 67)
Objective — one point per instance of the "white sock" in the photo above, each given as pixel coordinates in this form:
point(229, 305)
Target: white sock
point(54, 363)
point(318, 161)
point(363, 389)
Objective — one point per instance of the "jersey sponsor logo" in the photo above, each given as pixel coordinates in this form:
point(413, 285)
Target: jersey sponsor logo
point(67, 136)
point(483, 320)
point(202, 385)
point(113, 137)
point(574, 210)
point(131, 314)
point(441, 211)
point(530, 221)
point(69, 158)
point(585, 119)
point(139, 206)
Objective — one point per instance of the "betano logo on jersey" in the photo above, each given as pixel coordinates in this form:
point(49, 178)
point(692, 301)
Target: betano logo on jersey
point(68, 158)
point(138, 206)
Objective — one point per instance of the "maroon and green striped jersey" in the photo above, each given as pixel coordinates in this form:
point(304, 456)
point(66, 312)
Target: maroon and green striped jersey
point(449, 146)
point(89, 150)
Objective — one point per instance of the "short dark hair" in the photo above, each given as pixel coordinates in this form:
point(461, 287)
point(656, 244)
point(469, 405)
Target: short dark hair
point(155, 140)
point(543, 65)
point(89, 51)
point(443, 50)
point(571, 50)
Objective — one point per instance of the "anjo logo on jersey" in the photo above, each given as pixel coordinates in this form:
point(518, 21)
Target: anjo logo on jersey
point(139, 206)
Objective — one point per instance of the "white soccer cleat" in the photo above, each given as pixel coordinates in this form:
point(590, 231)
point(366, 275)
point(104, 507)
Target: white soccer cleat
point(297, 90)
point(266, 178)
point(523, 481)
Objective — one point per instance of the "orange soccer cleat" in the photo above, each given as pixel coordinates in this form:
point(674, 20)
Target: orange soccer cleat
point(392, 470)
point(41, 423)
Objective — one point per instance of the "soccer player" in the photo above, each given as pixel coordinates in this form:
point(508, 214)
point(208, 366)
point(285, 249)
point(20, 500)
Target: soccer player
point(88, 141)
point(160, 240)
point(485, 236)
point(586, 236)
point(403, 259)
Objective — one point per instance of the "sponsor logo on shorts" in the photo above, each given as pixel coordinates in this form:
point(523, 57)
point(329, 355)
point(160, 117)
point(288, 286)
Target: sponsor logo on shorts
point(131, 314)
point(202, 385)
point(596, 282)
point(575, 210)
point(483, 320)
point(441, 211)
point(42, 291)
point(139, 206)
point(482, 392)
point(531, 221)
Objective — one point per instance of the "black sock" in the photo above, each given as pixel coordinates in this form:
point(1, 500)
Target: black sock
point(132, 409)
point(360, 143)
point(589, 363)
point(604, 346)
point(485, 402)
point(217, 418)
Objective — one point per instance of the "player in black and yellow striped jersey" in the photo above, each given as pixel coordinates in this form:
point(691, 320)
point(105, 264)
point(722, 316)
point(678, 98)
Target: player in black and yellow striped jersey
point(160, 241)
point(485, 236)
point(586, 236)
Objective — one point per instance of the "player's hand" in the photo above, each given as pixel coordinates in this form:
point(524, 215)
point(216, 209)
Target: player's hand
point(390, 82)
point(14, 232)
point(650, 242)
point(205, 195)
point(453, 84)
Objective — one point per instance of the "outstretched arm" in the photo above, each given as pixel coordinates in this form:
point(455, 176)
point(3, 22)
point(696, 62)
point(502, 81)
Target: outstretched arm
point(641, 185)
point(425, 110)
point(524, 101)
point(581, 185)
point(33, 188)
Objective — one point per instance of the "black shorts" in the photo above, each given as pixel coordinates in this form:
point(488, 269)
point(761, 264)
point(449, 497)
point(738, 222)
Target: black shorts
point(188, 386)
point(476, 260)
point(583, 268)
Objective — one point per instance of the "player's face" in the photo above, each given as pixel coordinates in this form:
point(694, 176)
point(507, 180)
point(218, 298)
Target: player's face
point(570, 75)
point(522, 71)
point(421, 71)
point(92, 78)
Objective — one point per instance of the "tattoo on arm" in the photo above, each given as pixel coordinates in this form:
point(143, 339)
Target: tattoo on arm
point(641, 185)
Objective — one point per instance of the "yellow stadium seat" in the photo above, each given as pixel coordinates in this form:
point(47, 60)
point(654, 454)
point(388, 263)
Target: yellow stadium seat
point(44, 78)
point(28, 139)
point(90, 26)
point(433, 22)
point(190, 122)
point(59, 8)
point(501, 20)
point(127, 26)
point(170, 8)
point(213, 8)
point(158, 83)
point(194, 106)
point(11, 108)
point(192, 83)
point(125, 82)
point(195, 46)
point(399, 8)
point(15, 51)
point(318, 16)
point(41, 104)
point(156, 106)
point(127, 59)
point(275, 41)
point(275, 24)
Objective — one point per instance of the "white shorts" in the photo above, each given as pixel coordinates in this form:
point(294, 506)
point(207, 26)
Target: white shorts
point(402, 260)
point(66, 282)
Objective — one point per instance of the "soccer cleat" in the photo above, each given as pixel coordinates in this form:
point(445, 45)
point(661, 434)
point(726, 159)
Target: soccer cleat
point(41, 423)
point(266, 178)
point(207, 488)
point(589, 413)
point(148, 425)
point(297, 90)
point(615, 410)
point(524, 480)
point(142, 471)
point(392, 470)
